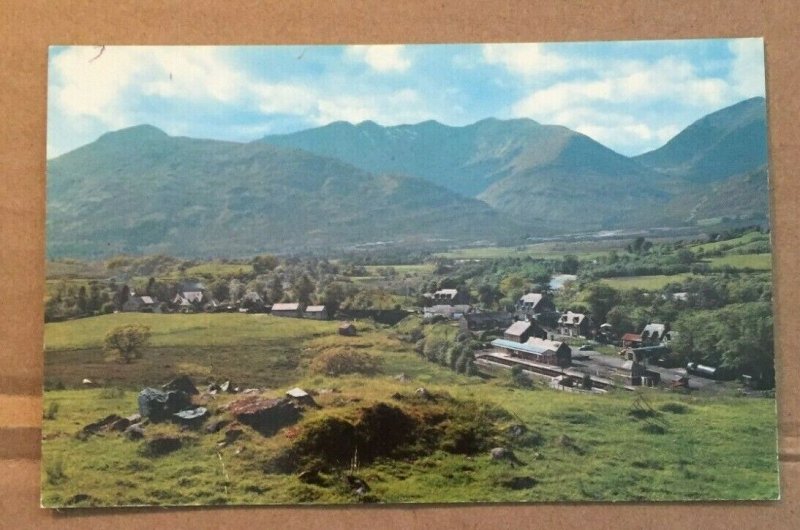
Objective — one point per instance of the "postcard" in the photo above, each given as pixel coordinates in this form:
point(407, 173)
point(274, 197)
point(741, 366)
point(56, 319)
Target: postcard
point(529, 272)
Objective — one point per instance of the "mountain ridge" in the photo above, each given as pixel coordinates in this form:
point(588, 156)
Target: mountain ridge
point(493, 180)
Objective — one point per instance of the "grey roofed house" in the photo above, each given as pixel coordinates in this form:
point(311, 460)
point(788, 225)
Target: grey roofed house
point(139, 303)
point(571, 318)
point(518, 328)
point(286, 306)
point(448, 311)
point(319, 312)
point(542, 350)
point(530, 300)
point(653, 332)
point(187, 297)
point(448, 296)
point(486, 320)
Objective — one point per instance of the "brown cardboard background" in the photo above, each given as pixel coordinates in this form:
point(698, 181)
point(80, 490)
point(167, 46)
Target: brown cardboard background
point(28, 27)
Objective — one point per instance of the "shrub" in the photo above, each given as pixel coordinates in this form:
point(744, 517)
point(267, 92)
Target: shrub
point(55, 471)
point(518, 377)
point(675, 408)
point(337, 361)
point(52, 411)
point(126, 342)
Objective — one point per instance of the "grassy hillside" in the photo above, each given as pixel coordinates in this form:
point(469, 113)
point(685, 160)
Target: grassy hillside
point(577, 447)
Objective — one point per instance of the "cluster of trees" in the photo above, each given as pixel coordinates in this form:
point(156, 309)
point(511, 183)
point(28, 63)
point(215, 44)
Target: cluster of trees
point(458, 354)
point(738, 337)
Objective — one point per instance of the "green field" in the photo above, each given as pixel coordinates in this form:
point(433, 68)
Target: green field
point(578, 447)
point(743, 261)
point(650, 283)
point(582, 249)
point(421, 268)
point(740, 241)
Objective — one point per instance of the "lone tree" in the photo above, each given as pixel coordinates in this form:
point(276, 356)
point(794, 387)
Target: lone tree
point(126, 342)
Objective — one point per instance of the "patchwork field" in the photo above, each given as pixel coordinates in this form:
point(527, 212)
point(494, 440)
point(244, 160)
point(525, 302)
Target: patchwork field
point(654, 282)
point(652, 445)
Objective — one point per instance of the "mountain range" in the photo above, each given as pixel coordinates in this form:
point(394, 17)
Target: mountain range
point(139, 190)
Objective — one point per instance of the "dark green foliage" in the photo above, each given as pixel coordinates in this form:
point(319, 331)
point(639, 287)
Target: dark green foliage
point(127, 342)
point(675, 408)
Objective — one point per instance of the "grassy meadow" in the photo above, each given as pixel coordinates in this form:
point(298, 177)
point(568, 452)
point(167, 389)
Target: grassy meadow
point(649, 445)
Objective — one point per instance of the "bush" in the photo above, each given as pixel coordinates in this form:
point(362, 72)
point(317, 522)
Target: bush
point(126, 342)
point(518, 377)
point(55, 471)
point(675, 408)
point(337, 361)
point(52, 411)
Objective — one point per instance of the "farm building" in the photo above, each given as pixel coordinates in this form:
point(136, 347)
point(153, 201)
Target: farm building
point(347, 329)
point(289, 309)
point(187, 298)
point(653, 334)
point(144, 304)
point(448, 296)
point(485, 321)
point(522, 330)
point(317, 312)
point(631, 340)
point(573, 324)
point(532, 304)
point(538, 350)
point(451, 312)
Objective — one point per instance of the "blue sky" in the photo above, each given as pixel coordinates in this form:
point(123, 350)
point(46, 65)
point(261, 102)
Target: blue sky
point(631, 96)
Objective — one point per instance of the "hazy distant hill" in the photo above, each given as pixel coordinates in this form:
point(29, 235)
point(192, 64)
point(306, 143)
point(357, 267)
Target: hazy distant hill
point(139, 190)
point(542, 175)
point(729, 142)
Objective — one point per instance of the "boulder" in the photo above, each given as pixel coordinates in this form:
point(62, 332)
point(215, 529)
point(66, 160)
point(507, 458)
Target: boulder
point(216, 426)
point(158, 405)
point(99, 425)
point(423, 393)
point(182, 383)
point(356, 484)
point(191, 417)
point(119, 425)
point(134, 432)
point(500, 453)
point(267, 416)
point(232, 434)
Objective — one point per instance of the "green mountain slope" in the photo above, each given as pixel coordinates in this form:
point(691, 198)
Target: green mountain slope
point(729, 142)
point(139, 190)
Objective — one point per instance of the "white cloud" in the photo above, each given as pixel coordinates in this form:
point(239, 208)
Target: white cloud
point(98, 88)
point(617, 103)
point(665, 80)
point(381, 58)
point(747, 69)
point(526, 59)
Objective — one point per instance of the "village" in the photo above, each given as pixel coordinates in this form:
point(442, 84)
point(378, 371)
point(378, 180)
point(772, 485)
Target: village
point(560, 348)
